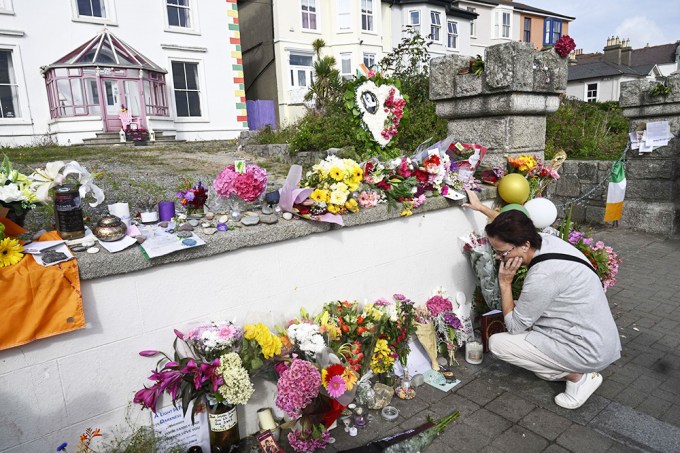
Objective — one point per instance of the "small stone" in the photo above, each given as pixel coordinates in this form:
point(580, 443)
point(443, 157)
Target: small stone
point(250, 220)
point(210, 231)
point(52, 256)
point(193, 222)
point(163, 224)
point(223, 219)
point(184, 234)
point(287, 215)
point(206, 224)
point(93, 250)
point(185, 227)
point(140, 239)
point(189, 242)
point(88, 243)
point(78, 248)
point(417, 380)
point(267, 209)
point(269, 219)
point(383, 396)
point(209, 215)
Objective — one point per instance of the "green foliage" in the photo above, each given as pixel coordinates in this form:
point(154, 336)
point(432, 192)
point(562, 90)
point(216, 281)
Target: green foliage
point(316, 131)
point(326, 86)
point(587, 130)
point(269, 136)
point(660, 89)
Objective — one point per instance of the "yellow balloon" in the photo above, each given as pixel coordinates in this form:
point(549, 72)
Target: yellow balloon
point(513, 188)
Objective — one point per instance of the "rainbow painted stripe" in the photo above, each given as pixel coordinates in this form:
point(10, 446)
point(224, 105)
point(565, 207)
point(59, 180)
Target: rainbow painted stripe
point(237, 62)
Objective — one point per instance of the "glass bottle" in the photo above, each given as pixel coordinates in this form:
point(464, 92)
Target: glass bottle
point(223, 423)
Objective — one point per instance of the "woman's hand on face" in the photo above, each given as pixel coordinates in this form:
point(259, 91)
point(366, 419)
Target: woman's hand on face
point(473, 201)
point(508, 269)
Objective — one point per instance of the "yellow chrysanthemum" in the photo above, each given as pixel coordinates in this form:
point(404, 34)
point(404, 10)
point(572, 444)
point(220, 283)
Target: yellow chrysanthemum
point(320, 195)
point(352, 205)
point(336, 173)
point(382, 360)
point(271, 344)
point(11, 252)
point(334, 208)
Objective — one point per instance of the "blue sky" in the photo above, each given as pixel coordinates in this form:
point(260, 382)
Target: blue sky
point(647, 21)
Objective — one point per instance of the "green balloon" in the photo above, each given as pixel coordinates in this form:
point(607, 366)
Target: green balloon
point(515, 206)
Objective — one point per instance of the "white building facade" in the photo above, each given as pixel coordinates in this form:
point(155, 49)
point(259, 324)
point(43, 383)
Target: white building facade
point(78, 66)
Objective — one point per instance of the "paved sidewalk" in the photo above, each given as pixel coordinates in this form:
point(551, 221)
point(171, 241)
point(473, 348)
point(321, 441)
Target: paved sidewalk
point(637, 408)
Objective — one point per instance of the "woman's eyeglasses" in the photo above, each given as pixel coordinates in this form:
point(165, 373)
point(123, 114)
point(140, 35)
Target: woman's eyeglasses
point(502, 255)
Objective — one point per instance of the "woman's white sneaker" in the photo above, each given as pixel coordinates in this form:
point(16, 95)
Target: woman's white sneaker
point(577, 393)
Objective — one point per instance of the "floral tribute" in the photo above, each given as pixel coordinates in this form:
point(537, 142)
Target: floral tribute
point(15, 189)
point(334, 180)
point(439, 311)
point(538, 174)
point(193, 198)
point(204, 365)
point(564, 46)
point(248, 185)
point(603, 258)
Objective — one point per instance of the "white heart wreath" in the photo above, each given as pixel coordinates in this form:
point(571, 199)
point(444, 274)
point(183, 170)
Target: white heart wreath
point(370, 100)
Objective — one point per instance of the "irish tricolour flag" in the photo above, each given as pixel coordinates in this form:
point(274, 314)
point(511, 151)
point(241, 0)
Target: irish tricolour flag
point(615, 193)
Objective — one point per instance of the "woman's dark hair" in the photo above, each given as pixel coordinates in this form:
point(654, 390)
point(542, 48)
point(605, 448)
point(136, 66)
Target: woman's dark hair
point(514, 227)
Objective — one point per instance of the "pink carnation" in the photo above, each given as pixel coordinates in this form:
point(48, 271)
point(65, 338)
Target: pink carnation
point(564, 46)
point(438, 304)
point(297, 387)
point(248, 186)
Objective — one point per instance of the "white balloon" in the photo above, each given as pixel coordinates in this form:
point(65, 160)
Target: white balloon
point(542, 212)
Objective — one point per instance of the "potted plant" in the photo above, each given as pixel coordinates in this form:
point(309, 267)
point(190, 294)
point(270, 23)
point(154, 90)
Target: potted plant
point(139, 136)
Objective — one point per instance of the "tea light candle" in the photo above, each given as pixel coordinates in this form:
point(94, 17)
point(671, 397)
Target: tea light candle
point(266, 419)
point(149, 217)
point(473, 352)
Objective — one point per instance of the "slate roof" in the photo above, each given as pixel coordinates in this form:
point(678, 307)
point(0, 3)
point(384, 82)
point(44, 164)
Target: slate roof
point(598, 69)
point(524, 7)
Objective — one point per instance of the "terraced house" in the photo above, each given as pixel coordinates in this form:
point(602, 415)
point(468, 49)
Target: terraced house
point(277, 38)
point(80, 70)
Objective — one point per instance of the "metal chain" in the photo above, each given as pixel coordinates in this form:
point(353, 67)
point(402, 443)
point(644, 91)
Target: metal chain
point(581, 201)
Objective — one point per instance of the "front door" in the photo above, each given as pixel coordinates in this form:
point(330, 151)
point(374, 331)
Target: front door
point(117, 93)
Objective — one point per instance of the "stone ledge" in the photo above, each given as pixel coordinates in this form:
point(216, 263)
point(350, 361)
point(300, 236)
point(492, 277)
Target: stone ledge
point(105, 264)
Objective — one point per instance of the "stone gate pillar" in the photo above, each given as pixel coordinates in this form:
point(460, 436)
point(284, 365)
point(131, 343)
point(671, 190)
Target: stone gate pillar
point(652, 201)
point(505, 108)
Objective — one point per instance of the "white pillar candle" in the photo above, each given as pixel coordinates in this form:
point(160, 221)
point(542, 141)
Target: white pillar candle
point(266, 419)
point(474, 352)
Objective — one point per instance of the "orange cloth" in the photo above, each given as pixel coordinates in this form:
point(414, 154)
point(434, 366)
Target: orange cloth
point(38, 302)
point(11, 228)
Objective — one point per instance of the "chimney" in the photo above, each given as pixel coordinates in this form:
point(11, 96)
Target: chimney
point(626, 53)
point(612, 51)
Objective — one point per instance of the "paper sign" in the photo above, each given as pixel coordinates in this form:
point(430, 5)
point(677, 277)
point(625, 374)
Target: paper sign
point(173, 429)
point(438, 381)
point(160, 243)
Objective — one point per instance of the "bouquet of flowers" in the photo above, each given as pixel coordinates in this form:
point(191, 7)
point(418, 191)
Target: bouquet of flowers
point(539, 175)
point(399, 326)
point(603, 258)
point(55, 173)
point(193, 198)
point(334, 180)
point(15, 190)
point(138, 134)
point(259, 345)
point(212, 339)
point(465, 159)
point(190, 375)
point(245, 181)
point(483, 263)
point(445, 322)
point(431, 172)
point(395, 180)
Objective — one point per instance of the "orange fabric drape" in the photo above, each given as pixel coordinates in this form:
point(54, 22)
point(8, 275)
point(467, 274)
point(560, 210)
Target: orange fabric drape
point(38, 302)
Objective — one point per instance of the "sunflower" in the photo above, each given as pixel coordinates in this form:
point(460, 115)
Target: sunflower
point(11, 252)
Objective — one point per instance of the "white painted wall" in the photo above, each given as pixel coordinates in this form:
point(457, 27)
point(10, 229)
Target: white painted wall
point(45, 37)
point(482, 38)
point(52, 389)
point(609, 89)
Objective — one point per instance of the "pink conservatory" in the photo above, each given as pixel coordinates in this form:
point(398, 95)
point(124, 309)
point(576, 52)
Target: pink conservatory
point(107, 78)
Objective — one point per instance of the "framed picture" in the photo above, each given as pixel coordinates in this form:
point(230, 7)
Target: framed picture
point(268, 444)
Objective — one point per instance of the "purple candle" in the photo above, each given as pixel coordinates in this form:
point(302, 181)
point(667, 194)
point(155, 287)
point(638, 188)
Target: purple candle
point(166, 210)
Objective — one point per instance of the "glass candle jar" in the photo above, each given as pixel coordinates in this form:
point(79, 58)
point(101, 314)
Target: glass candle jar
point(474, 352)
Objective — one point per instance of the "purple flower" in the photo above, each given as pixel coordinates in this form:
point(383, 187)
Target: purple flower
point(221, 226)
point(189, 196)
point(452, 320)
point(147, 397)
point(149, 353)
point(179, 334)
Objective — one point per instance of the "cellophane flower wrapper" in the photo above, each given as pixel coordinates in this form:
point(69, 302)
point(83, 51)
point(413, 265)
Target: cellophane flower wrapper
point(483, 264)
